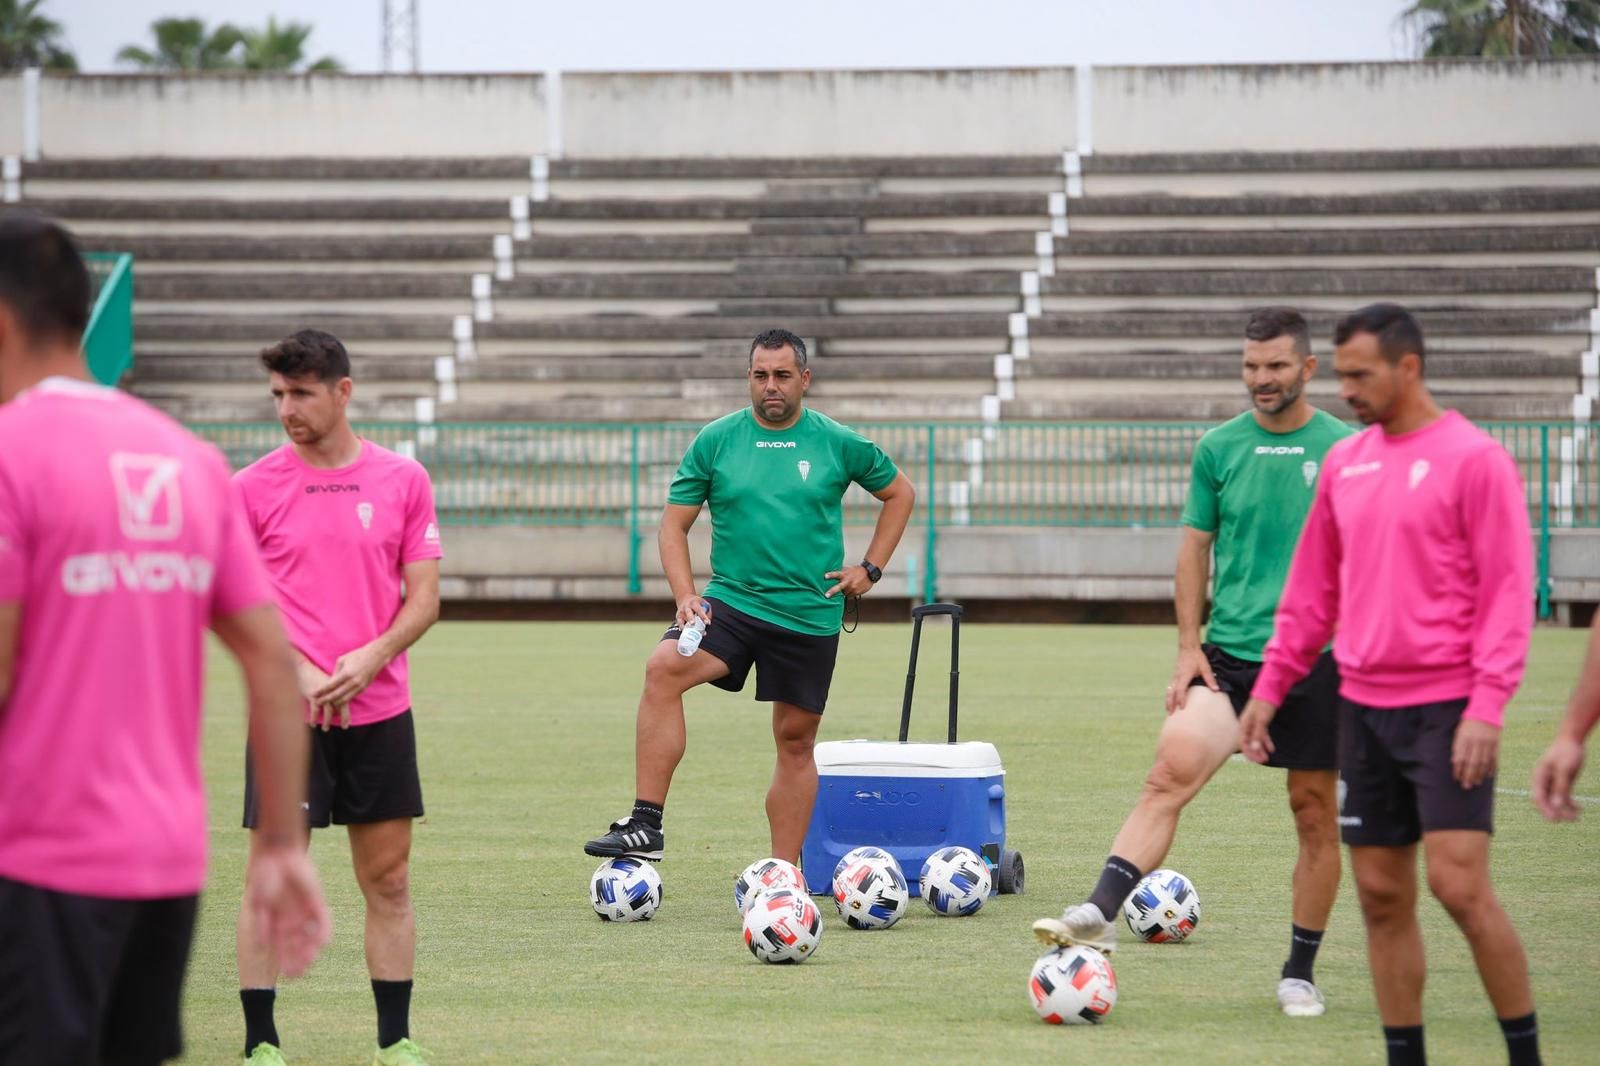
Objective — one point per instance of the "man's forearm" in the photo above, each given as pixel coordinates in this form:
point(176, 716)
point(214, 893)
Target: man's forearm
point(279, 748)
point(893, 517)
point(417, 614)
point(1189, 593)
point(674, 547)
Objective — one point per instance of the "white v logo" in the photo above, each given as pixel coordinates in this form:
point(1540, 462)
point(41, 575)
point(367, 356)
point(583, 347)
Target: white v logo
point(140, 500)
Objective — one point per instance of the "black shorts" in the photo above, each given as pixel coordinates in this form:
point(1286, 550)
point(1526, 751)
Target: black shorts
point(367, 773)
point(1395, 781)
point(1305, 731)
point(91, 980)
point(790, 667)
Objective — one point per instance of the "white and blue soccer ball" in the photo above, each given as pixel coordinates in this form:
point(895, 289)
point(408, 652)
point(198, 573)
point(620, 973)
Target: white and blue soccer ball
point(625, 890)
point(871, 893)
point(763, 875)
point(1073, 986)
point(955, 881)
point(1164, 908)
point(783, 926)
point(855, 855)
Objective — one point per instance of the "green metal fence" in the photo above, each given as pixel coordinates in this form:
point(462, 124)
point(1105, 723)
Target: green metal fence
point(1123, 475)
point(108, 342)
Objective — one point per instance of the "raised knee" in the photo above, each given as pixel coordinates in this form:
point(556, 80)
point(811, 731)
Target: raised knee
point(1172, 776)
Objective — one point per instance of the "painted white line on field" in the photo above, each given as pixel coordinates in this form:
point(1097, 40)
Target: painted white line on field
point(1525, 792)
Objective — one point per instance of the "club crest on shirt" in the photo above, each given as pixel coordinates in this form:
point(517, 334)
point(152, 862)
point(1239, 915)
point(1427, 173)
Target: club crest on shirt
point(364, 512)
point(1419, 470)
point(804, 468)
point(1308, 470)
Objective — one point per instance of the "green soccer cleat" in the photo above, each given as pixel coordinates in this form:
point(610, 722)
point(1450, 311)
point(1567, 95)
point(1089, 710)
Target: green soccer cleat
point(265, 1054)
point(401, 1053)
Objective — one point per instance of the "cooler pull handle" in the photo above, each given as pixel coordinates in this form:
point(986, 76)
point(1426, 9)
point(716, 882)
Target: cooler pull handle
point(954, 610)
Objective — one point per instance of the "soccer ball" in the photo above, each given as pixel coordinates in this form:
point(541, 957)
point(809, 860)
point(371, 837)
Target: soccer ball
point(1163, 909)
point(762, 875)
point(955, 881)
point(871, 894)
point(625, 890)
point(855, 855)
point(1073, 986)
point(783, 926)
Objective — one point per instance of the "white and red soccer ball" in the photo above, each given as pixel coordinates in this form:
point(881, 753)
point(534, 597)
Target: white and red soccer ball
point(1073, 986)
point(783, 925)
point(764, 875)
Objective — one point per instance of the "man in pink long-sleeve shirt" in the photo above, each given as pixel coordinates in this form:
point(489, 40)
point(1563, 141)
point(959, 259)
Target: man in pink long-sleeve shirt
point(1416, 559)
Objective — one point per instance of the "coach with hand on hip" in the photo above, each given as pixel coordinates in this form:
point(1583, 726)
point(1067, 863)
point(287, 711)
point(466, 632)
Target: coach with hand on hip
point(775, 476)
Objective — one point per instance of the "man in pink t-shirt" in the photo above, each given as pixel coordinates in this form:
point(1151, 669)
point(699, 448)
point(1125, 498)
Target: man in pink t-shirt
point(121, 542)
point(1416, 558)
point(351, 543)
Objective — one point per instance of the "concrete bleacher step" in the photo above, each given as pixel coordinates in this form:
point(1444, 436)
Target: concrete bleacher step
point(364, 168)
point(793, 280)
point(400, 209)
point(804, 227)
point(1398, 245)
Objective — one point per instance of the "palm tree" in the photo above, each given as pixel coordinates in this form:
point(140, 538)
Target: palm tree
point(282, 48)
point(185, 44)
point(1520, 28)
point(29, 39)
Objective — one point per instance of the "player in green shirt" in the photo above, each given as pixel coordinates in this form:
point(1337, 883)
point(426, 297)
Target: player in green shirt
point(775, 475)
point(1251, 485)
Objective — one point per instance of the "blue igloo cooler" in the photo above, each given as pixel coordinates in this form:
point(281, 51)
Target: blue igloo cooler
point(911, 799)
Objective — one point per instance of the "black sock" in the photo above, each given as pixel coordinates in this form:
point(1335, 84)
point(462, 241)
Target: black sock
point(259, 1027)
point(1522, 1039)
point(394, 1010)
point(648, 813)
point(1117, 882)
point(1405, 1045)
point(1303, 945)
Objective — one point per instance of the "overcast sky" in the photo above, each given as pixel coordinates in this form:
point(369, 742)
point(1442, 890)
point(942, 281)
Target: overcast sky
point(512, 35)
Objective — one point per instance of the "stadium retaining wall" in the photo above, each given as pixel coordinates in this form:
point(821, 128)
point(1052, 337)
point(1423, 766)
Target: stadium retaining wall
point(819, 112)
point(346, 115)
point(1437, 104)
point(1349, 107)
point(1019, 573)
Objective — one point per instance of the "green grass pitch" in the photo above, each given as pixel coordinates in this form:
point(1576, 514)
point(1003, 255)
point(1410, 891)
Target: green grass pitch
point(526, 734)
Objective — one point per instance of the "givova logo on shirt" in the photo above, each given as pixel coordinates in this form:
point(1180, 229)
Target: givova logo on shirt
point(93, 573)
point(775, 444)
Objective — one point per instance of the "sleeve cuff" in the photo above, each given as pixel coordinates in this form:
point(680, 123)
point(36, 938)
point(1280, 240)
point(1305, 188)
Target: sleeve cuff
point(1272, 684)
point(1487, 704)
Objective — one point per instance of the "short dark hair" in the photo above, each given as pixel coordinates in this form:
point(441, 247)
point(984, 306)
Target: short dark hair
point(43, 279)
point(307, 353)
point(1270, 323)
point(1397, 331)
point(773, 339)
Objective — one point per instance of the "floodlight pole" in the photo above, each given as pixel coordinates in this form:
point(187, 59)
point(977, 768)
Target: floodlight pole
point(401, 39)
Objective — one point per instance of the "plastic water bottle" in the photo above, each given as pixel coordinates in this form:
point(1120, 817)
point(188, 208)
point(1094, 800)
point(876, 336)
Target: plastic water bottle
point(691, 635)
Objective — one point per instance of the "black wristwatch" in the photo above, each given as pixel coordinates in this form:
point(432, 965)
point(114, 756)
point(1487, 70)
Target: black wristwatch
point(874, 575)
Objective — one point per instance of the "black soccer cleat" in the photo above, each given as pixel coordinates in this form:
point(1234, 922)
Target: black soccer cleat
point(629, 839)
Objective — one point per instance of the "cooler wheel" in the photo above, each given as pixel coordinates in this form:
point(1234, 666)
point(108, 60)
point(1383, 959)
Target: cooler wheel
point(1011, 873)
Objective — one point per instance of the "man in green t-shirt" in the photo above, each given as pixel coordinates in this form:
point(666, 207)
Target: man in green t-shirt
point(1251, 485)
point(775, 475)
